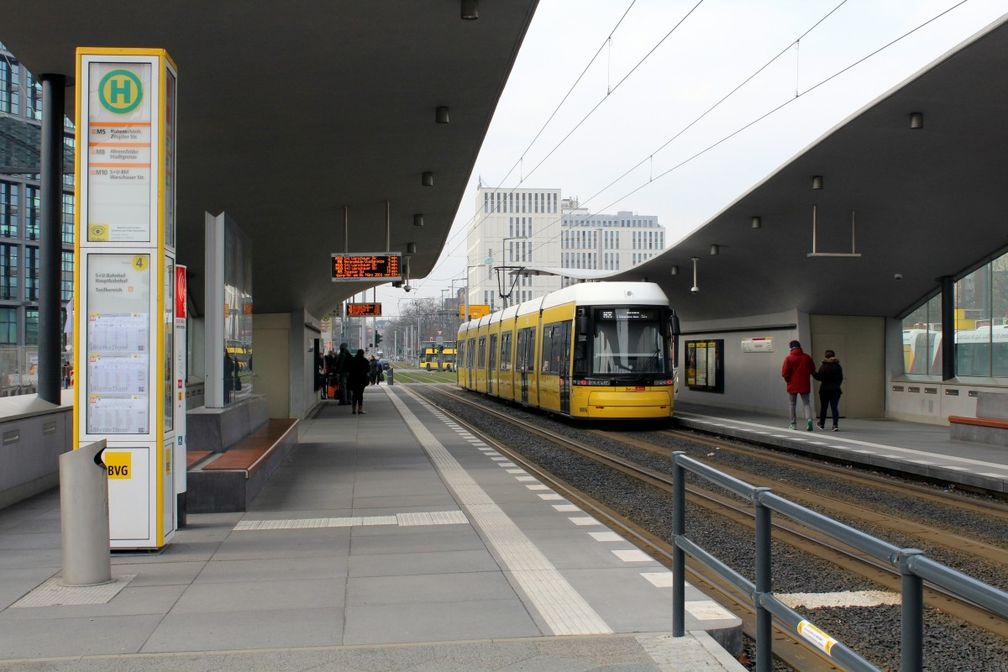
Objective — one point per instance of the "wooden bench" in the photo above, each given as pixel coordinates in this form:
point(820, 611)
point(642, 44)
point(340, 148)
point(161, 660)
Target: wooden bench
point(982, 430)
point(229, 480)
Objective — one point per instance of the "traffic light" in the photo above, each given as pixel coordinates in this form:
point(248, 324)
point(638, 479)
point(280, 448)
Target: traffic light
point(377, 338)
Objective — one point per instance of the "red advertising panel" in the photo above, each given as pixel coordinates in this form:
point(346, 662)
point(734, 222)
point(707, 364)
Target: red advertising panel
point(180, 291)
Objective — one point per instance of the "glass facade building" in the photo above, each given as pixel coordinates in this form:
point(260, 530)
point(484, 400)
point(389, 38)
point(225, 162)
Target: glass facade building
point(20, 219)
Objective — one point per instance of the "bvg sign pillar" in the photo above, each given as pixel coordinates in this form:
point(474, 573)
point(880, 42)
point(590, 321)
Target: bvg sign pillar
point(124, 285)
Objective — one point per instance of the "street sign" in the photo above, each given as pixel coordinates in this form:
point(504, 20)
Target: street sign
point(363, 310)
point(353, 266)
point(476, 310)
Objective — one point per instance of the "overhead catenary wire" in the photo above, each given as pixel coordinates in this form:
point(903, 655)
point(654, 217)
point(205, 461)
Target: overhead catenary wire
point(665, 144)
point(611, 90)
point(750, 123)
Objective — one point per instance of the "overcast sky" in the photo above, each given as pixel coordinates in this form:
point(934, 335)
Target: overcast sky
point(714, 49)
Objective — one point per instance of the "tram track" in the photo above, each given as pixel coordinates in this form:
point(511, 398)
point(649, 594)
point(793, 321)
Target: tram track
point(791, 534)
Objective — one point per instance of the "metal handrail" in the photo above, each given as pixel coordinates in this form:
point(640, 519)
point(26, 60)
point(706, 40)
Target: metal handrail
point(913, 565)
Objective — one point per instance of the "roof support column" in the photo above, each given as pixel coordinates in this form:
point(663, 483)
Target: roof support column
point(948, 326)
point(50, 330)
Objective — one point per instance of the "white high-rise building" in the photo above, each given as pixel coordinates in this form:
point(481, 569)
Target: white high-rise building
point(539, 229)
point(606, 242)
point(514, 227)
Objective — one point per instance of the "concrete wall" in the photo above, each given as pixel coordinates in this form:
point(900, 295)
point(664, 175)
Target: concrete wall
point(33, 434)
point(304, 330)
point(752, 381)
point(859, 343)
point(271, 335)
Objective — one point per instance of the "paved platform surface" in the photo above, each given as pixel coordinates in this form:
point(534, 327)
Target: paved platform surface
point(395, 540)
point(913, 448)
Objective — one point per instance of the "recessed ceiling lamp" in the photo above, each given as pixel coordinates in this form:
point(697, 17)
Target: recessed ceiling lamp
point(817, 182)
point(916, 120)
point(715, 250)
point(757, 222)
point(470, 10)
point(418, 219)
point(442, 115)
point(427, 179)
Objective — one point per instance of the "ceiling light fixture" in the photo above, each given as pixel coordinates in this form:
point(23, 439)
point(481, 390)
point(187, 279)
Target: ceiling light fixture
point(418, 219)
point(442, 115)
point(470, 10)
point(410, 248)
point(673, 270)
point(427, 179)
point(757, 222)
point(715, 250)
point(916, 120)
point(817, 182)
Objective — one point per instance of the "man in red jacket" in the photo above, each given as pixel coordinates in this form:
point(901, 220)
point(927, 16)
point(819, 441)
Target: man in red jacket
point(797, 371)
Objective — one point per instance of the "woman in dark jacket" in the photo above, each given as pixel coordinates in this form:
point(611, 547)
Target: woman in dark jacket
point(360, 369)
point(830, 374)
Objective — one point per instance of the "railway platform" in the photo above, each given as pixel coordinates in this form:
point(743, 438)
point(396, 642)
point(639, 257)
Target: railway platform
point(902, 447)
point(392, 540)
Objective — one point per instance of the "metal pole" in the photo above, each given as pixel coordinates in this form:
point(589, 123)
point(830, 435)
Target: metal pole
point(764, 583)
point(678, 555)
point(948, 327)
point(912, 615)
point(50, 330)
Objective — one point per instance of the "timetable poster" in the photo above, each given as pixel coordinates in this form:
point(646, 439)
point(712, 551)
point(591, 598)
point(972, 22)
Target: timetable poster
point(119, 152)
point(118, 343)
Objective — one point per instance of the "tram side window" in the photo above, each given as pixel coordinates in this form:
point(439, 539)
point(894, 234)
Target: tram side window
point(560, 353)
point(530, 339)
point(547, 349)
point(492, 363)
point(520, 351)
point(505, 351)
point(482, 351)
point(471, 352)
point(461, 353)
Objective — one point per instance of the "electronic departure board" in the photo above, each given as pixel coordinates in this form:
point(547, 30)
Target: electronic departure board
point(363, 310)
point(366, 266)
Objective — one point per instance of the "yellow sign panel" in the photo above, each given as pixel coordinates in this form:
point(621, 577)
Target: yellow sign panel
point(476, 310)
point(119, 465)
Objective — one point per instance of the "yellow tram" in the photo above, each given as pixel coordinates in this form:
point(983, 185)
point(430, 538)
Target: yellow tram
point(601, 350)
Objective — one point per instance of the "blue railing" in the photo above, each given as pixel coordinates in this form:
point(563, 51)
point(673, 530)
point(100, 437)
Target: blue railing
point(914, 568)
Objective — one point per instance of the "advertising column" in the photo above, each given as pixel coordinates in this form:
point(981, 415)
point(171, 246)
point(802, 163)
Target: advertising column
point(124, 281)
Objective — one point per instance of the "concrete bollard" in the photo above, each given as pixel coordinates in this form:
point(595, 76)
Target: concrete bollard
point(84, 516)
point(390, 374)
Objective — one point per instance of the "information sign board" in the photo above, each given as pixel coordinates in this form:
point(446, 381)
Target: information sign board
point(476, 310)
point(364, 310)
point(367, 266)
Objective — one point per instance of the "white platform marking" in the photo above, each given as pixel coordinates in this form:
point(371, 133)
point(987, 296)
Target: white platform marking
point(584, 521)
point(632, 555)
point(605, 536)
point(660, 579)
point(550, 497)
point(562, 609)
point(566, 508)
point(515, 471)
point(410, 519)
point(526, 479)
point(537, 487)
point(707, 610)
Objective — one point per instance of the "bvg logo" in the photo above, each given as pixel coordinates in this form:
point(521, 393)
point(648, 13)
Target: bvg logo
point(119, 465)
point(120, 91)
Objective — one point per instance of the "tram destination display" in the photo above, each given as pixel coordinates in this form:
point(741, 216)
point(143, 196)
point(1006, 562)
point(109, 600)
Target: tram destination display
point(351, 266)
point(363, 310)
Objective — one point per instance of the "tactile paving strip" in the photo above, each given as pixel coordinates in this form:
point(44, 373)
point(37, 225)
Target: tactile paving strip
point(413, 519)
point(53, 593)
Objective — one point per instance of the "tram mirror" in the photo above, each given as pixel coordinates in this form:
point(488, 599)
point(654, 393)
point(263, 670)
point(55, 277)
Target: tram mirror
point(674, 324)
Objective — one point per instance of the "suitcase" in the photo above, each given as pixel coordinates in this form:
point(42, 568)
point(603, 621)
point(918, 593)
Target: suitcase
point(333, 391)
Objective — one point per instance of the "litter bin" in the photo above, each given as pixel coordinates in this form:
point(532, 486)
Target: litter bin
point(389, 375)
point(84, 516)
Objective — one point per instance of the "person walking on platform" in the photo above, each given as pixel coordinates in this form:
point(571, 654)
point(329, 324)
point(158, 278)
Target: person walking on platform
point(797, 371)
point(830, 376)
point(373, 371)
point(343, 360)
point(360, 370)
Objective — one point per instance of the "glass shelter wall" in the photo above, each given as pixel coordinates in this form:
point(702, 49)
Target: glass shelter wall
point(981, 327)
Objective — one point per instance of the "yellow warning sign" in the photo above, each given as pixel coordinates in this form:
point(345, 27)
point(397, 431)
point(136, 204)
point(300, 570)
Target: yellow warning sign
point(816, 637)
point(98, 232)
point(119, 465)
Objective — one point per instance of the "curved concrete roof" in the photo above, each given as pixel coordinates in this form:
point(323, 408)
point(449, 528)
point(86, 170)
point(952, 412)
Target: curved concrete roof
point(291, 110)
point(928, 202)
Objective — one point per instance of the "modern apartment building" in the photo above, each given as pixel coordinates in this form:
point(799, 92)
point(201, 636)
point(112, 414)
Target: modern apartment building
point(607, 242)
point(20, 216)
point(538, 228)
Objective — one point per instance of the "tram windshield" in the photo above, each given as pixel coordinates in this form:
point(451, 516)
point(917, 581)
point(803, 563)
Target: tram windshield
point(628, 340)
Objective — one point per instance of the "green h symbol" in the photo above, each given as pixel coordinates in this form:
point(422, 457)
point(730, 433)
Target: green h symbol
point(120, 91)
